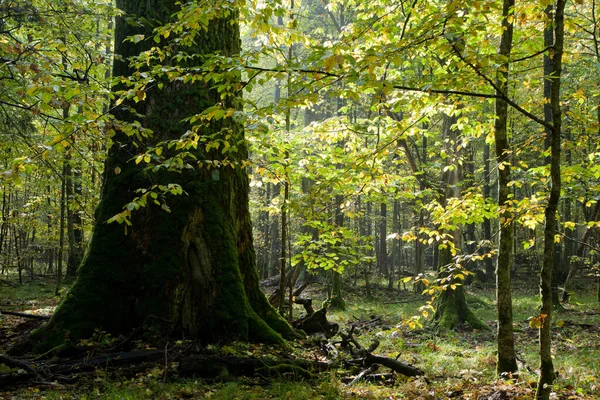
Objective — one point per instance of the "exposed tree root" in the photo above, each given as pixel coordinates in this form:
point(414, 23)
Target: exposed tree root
point(209, 366)
point(25, 315)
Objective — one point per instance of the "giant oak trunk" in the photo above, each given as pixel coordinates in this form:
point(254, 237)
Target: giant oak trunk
point(191, 271)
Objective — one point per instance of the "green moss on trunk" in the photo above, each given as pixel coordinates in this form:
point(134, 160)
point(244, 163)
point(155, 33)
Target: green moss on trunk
point(191, 271)
point(337, 301)
point(452, 311)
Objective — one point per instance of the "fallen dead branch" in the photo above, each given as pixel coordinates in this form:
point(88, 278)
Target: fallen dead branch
point(9, 283)
point(367, 359)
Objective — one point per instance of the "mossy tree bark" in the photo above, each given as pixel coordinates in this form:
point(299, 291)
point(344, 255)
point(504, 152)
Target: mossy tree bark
point(507, 360)
point(191, 271)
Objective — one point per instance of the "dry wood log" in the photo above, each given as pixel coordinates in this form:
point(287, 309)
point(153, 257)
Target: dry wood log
point(307, 304)
point(329, 349)
point(274, 297)
point(317, 323)
point(394, 365)
point(370, 370)
point(367, 358)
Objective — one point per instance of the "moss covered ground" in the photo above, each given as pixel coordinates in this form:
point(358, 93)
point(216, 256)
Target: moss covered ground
point(459, 364)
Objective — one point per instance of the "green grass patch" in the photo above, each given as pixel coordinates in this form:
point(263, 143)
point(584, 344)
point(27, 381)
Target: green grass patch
point(461, 361)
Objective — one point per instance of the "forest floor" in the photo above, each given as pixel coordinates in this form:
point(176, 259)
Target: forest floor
point(457, 364)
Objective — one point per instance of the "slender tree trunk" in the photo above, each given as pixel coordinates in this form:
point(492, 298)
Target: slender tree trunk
point(71, 270)
point(487, 224)
point(275, 252)
point(382, 258)
point(18, 255)
point(337, 300)
point(3, 230)
point(75, 227)
point(547, 373)
point(507, 362)
point(368, 233)
point(61, 234)
point(420, 242)
point(282, 257)
point(50, 247)
point(548, 71)
point(262, 227)
point(395, 256)
point(569, 242)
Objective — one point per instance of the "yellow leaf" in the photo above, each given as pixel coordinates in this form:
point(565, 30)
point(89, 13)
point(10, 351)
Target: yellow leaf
point(117, 170)
point(140, 95)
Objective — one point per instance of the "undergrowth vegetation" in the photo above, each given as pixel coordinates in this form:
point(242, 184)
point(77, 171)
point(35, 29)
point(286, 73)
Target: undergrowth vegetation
point(458, 364)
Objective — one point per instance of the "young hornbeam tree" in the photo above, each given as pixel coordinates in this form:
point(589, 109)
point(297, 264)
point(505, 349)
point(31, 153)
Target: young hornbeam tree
point(191, 271)
point(507, 361)
point(547, 373)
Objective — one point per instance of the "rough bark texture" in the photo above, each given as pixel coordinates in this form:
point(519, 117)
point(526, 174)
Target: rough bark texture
point(191, 271)
point(507, 361)
point(547, 373)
